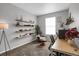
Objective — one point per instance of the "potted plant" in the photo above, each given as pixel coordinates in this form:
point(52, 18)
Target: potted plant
point(71, 34)
point(38, 32)
point(69, 20)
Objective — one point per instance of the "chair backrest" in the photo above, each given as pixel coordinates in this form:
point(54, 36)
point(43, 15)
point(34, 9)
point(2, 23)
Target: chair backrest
point(57, 34)
point(52, 39)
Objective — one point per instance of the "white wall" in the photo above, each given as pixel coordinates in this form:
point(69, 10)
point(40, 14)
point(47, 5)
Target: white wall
point(8, 14)
point(60, 17)
point(74, 9)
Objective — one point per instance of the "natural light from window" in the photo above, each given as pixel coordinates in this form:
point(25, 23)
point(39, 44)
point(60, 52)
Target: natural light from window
point(50, 25)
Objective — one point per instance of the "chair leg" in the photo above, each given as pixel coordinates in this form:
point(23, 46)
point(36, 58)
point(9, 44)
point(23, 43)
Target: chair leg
point(50, 54)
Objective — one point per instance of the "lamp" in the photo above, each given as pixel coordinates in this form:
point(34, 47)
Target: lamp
point(4, 26)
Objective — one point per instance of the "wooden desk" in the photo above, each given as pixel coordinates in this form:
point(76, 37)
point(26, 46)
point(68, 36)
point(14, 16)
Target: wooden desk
point(62, 46)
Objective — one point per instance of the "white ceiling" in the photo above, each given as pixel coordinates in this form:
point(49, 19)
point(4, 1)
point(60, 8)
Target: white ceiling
point(42, 8)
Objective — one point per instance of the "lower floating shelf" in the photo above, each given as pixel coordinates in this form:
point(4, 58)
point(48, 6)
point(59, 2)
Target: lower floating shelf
point(24, 36)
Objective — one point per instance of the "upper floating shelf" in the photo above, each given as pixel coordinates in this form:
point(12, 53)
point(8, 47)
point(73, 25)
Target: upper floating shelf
point(25, 21)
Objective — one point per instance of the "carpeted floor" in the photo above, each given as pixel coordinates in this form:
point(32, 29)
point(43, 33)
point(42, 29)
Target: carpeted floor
point(31, 49)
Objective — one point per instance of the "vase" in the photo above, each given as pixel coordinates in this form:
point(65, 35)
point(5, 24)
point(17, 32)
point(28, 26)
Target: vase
point(76, 42)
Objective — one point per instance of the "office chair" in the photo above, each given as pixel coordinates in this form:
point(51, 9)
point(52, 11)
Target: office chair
point(51, 43)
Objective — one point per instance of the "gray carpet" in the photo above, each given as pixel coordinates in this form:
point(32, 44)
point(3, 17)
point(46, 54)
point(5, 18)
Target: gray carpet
point(31, 49)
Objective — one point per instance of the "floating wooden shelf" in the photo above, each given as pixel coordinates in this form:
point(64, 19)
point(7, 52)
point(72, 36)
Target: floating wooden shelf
point(25, 21)
point(22, 36)
point(24, 25)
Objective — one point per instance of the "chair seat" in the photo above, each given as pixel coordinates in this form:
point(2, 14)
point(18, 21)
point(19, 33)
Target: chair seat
point(43, 38)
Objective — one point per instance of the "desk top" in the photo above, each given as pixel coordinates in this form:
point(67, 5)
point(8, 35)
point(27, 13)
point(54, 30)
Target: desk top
point(62, 46)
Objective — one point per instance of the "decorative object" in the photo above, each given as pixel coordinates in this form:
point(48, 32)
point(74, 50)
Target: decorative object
point(62, 25)
point(38, 33)
point(71, 42)
point(69, 20)
point(21, 20)
point(17, 24)
point(4, 26)
point(26, 27)
point(71, 34)
point(61, 34)
point(76, 42)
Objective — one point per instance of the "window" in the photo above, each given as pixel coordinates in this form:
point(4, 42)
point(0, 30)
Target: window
point(50, 25)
